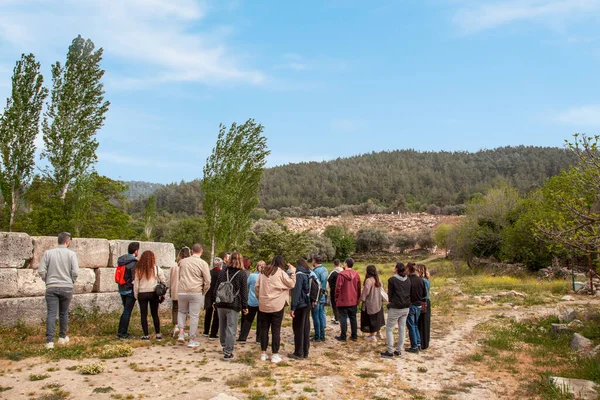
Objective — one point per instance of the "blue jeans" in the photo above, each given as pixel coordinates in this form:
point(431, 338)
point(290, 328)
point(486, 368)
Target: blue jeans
point(57, 302)
point(128, 304)
point(413, 326)
point(319, 319)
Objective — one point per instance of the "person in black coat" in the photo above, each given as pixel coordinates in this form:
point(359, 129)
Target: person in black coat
point(210, 315)
point(301, 311)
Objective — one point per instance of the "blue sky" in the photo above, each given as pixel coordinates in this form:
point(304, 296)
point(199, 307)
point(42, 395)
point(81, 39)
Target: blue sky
point(327, 79)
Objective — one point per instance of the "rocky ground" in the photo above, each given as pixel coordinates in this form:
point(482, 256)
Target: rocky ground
point(334, 370)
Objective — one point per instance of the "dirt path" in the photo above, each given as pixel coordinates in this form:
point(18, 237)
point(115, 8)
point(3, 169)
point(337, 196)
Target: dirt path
point(347, 371)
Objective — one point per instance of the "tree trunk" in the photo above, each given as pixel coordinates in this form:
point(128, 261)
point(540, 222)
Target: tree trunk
point(13, 208)
point(63, 191)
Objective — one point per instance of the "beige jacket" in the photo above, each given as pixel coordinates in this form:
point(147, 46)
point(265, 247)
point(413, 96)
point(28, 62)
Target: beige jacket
point(273, 291)
point(371, 297)
point(194, 275)
point(144, 285)
point(174, 283)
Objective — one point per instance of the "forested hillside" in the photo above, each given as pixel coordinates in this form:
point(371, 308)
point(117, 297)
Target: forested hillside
point(440, 178)
point(401, 180)
point(141, 189)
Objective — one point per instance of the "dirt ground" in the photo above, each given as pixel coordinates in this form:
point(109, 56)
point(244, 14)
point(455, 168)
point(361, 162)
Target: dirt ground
point(333, 370)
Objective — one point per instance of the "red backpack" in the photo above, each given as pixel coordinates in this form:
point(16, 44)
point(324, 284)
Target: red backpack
point(120, 275)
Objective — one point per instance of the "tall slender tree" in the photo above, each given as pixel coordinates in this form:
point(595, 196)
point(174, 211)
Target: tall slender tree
point(19, 126)
point(231, 180)
point(75, 113)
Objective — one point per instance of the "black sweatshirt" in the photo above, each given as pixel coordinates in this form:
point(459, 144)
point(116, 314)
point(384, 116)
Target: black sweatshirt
point(418, 291)
point(399, 292)
point(240, 286)
point(300, 291)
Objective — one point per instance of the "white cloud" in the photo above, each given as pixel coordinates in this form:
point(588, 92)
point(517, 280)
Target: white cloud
point(588, 116)
point(480, 15)
point(157, 39)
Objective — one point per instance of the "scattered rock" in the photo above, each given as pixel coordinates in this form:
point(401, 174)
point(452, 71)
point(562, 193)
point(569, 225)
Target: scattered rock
point(580, 388)
point(591, 315)
point(512, 293)
point(580, 343)
point(559, 329)
point(567, 315)
point(567, 298)
point(575, 324)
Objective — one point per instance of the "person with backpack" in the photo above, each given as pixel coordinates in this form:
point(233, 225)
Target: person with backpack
point(300, 313)
point(231, 297)
point(194, 283)
point(332, 280)
point(147, 276)
point(273, 290)
point(248, 319)
point(372, 317)
point(425, 317)
point(58, 269)
point(173, 290)
point(211, 317)
point(124, 278)
point(318, 310)
point(418, 292)
point(398, 309)
point(347, 293)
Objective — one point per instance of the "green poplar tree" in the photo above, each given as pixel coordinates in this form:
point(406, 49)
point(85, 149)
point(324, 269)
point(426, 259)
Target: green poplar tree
point(231, 180)
point(75, 113)
point(19, 126)
point(149, 216)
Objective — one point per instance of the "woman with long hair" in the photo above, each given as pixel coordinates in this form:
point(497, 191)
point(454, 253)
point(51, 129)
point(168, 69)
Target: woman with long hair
point(174, 283)
point(233, 281)
point(272, 290)
point(147, 276)
point(371, 315)
point(248, 319)
point(424, 322)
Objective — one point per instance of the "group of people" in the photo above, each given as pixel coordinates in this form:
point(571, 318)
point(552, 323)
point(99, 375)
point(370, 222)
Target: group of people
point(231, 288)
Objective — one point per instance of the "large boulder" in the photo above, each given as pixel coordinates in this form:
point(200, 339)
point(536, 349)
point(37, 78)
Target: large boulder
point(85, 281)
point(164, 252)
point(105, 281)
point(91, 253)
point(30, 284)
point(579, 388)
point(580, 343)
point(16, 250)
point(567, 315)
point(9, 286)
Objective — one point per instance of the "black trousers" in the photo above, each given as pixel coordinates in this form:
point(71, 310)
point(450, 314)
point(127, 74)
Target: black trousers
point(144, 299)
point(128, 304)
point(334, 309)
point(247, 321)
point(211, 316)
point(424, 325)
point(301, 327)
point(272, 321)
point(344, 314)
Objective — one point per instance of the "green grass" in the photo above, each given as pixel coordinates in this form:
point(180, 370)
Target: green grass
point(38, 377)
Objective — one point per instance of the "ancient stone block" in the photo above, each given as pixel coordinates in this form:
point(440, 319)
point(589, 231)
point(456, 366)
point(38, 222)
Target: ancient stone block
point(559, 329)
point(105, 281)
point(31, 310)
point(164, 252)
point(91, 253)
point(30, 283)
point(85, 281)
point(8, 282)
point(16, 250)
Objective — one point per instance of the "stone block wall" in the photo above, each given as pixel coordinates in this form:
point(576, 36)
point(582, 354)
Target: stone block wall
point(22, 290)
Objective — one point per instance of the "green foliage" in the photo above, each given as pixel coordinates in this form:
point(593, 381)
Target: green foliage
point(149, 217)
point(322, 246)
point(405, 241)
point(187, 231)
point(232, 176)
point(19, 126)
point(440, 235)
point(425, 239)
point(372, 239)
point(273, 241)
point(75, 113)
point(341, 239)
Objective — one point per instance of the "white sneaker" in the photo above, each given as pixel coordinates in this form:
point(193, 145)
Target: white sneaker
point(175, 332)
point(62, 341)
point(275, 358)
point(181, 338)
point(263, 356)
point(49, 345)
point(192, 344)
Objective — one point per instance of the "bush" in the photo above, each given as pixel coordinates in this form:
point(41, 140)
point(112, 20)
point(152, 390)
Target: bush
point(115, 350)
point(322, 246)
point(187, 231)
point(91, 369)
point(371, 239)
point(425, 239)
point(405, 241)
point(341, 239)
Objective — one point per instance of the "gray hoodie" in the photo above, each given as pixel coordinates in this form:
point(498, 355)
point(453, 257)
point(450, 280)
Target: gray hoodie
point(59, 267)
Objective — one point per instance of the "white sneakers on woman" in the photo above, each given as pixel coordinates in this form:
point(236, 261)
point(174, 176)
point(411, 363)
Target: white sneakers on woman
point(263, 357)
point(275, 358)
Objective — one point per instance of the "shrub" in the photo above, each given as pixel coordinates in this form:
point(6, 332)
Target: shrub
point(405, 241)
point(322, 246)
point(341, 239)
point(425, 239)
point(371, 239)
point(115, 350)
point(91, 369)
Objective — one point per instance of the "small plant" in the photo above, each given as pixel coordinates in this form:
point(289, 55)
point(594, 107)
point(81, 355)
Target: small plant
point(309, 389)
point(5, 388)
point(115, 351)
point(55, 395)
point(106, 389)
point(52, 386)
point(422, 369)
point(240, 381)
point(205, 379)
point(38, 377)
point(71, 368)
point(367, 375)
point(91, 369)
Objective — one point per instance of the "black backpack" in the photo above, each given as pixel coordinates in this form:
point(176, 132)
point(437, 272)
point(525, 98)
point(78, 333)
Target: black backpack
point(314, 288)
